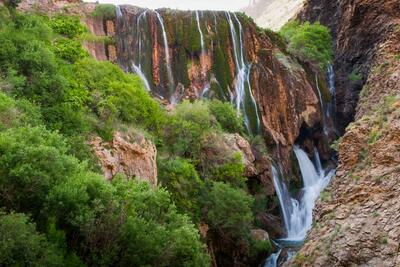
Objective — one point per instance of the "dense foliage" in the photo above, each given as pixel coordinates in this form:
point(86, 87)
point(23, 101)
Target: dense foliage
point(56, 205)
point(310, 42)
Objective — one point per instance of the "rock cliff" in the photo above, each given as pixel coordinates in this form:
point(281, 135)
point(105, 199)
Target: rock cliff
point(357, 221)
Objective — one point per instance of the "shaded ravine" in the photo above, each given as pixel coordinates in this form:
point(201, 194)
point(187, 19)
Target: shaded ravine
point(297, 211)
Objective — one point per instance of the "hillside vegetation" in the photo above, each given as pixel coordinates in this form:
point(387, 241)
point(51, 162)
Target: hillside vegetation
point(57, 209)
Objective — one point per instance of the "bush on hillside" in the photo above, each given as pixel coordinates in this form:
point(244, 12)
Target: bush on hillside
point(229, 210)
point(22, 245)
point(180, 177)
point(227, 116)
point(186, 127)
point(68, 26)
point(105, 11)
point(310, 42)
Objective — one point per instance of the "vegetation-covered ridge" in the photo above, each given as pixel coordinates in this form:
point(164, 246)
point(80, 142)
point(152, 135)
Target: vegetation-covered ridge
point(56, 206)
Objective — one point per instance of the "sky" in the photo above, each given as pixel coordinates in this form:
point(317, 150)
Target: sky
point(232, 5)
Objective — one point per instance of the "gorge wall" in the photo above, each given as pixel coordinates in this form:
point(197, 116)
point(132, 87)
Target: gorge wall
point(357, 222)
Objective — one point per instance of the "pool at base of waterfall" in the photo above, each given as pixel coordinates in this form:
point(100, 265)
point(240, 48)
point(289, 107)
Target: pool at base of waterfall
point(297, 212)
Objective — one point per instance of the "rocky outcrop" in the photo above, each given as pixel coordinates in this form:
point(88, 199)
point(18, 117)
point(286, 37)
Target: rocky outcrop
point(359, 27)
point(358, 220)
point(131, 156)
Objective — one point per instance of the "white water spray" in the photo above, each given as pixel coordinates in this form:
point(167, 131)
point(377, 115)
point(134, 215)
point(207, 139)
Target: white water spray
point(139, 72)
point(166, 48)
point(137, 68)
point(297, 214)
point(324, 119)
point(203, 49)
point(243, 85)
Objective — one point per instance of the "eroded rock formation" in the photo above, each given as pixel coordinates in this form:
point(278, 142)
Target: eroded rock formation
point(131, 155)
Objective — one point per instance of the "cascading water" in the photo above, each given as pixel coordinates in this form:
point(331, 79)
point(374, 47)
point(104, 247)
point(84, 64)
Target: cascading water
point(297, 214)
point(203, 49)
point(137, 68)
point(324, 116)
point(167, 57)
point(331, 110)
point(244, 99)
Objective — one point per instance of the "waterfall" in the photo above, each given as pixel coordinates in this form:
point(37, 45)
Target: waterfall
point(272, 261)
point(244, 99)
point(324, 117)
point(139, 72)
point(297, 214)
point(137, 68)
point(166, 48)
point(118, 11)
point(203, 50)
point(331, 110)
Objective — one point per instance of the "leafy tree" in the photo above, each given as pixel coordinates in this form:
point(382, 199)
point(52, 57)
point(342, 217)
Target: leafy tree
point(186, 126)
point(17, 113)
point(310, 42)
point(231, 172)
point(180, 177)
point(69, 50)
point(229, 210)
point(33, 160)
point(68, 26)
point(22, 245)
point(105, 11)
point(227, 116)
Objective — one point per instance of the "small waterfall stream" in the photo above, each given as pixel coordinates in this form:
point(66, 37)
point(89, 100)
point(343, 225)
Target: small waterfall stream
point(244, 100)
point(137, 68)
point(321, 102)
point(297, 213)
point(167, 56)
point(331, 109)
point(203, 49)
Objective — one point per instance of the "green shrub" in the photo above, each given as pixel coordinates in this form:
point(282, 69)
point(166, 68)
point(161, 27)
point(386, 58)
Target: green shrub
point(229, 210)
point(310, 42)
point(227, 116)
point(124, 223)
point(68, 26)
point(180, 177)
point(22, 245)
point(34, 160)
point(17, 113)
point(114, 94)
point(104, 11)
point(69, 50)
point(185, 128)
point(231, 172)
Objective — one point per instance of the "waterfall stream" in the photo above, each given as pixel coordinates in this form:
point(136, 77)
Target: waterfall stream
point(244, 99)
point(203, 49)
point(297, 212)
point(167, 57)
point(324, 116)
point(137, 68)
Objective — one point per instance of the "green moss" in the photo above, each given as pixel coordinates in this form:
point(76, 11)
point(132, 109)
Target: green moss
point(221, 69)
